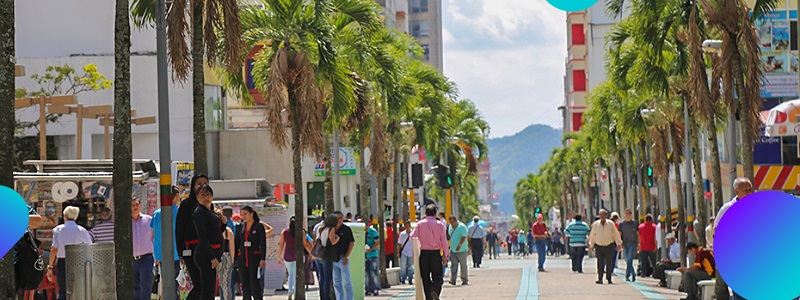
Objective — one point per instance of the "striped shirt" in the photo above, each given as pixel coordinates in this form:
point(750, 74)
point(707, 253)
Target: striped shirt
point(104, 232)
point(577, 231)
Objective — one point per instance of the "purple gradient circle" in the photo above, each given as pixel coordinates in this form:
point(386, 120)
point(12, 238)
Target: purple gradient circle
point(756, 246)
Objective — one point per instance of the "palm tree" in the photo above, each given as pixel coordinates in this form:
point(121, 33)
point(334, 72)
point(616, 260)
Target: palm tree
point(211, 21)
point(7, 126)
point(123, 160)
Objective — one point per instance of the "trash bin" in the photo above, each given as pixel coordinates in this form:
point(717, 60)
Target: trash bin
point(357, 260)
point(91, 272)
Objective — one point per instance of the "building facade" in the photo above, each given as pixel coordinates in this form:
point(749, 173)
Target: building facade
point(425, 25)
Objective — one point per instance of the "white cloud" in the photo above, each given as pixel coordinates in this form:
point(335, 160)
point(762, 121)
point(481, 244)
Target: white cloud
point(508, 57)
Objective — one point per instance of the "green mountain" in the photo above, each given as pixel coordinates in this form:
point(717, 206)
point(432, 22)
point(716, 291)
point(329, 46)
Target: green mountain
point(513, 157)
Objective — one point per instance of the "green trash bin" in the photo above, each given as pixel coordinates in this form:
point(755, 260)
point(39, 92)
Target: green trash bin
point(357, 264)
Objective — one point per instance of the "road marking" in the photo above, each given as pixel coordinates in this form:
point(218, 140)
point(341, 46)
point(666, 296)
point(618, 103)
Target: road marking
point(641, 288)
point(406, 294)
point(528, 285)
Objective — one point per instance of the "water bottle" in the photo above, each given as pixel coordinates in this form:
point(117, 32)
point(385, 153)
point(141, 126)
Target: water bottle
point(259, 273)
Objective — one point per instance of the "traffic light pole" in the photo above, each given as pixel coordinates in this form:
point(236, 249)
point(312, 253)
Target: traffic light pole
point(687, 167)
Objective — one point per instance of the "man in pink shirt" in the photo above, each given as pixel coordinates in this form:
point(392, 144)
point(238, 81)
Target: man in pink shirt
point(433, 254)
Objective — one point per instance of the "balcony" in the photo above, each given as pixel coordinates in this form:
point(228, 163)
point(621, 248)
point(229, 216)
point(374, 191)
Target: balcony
point(576, 52)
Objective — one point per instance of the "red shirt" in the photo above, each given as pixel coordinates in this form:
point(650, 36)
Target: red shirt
point(539, 228)
point(388, 243)
point(647, 237)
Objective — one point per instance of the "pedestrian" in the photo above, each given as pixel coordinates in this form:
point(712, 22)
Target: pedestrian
point(208, 252)
point(492, 239)
point(703, 269)
point(647, 246)
point(326, 236)
point(388, 244)
point(539, 230)
point(556, 237)
point(142, 252)
point(515, 241)
point(742, 187)
point(342, 284)
point(237, 228)
point(433, 244)
point(629, 232)
point(710, 234)
point(522, 243)
point(251, 247)
point(458, 251)
point(186, 234)
point(615, 218)
point(372, 282)
point(477, 239)
point(65, 234)
point(226, 261)
point(155, 224)
point(348, 217)
point(530, 245)
point(104, 232)
point(286, 253)
point(603, 236)
point(577, 231)
point(406, 255)
point(508, 242)
point(668, 263)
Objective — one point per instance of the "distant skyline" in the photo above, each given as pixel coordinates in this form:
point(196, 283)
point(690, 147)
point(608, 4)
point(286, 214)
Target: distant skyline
point(508, 57)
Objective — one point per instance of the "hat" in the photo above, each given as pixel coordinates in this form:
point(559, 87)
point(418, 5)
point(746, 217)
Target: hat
point(476, 218)
point(670, 235)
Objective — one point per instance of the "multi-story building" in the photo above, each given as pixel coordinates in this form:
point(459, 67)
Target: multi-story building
point(425, 25)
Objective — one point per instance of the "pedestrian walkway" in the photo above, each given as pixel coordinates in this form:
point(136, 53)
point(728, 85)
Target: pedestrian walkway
point(518, 279)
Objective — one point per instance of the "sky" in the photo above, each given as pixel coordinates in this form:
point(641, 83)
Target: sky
point(508, 57)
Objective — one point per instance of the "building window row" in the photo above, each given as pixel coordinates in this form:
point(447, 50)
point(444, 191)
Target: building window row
point(419, 6)
point(420, 28)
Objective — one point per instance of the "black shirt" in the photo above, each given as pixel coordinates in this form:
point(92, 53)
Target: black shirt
point(209, 233)
point(257, 237)
point(345, 238)
point(184, 226)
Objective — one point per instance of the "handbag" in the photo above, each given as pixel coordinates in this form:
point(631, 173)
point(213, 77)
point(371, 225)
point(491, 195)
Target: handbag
point(156, 281)
point(318, 251)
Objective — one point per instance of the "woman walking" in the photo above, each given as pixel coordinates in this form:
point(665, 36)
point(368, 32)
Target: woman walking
point(226, 264)
point(251, 249)
point(209, 248)
point(326, 236)
point(286, 253)
point(186, 234)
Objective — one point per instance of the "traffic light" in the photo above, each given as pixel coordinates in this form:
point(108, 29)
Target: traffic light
point(537, 211)
point(649, 176)
point(443, 178)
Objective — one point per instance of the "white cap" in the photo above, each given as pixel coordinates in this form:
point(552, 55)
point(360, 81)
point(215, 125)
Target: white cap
point(670, 235)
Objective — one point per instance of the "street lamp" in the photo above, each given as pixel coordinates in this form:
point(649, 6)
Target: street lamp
point(577, 179)
point(714, 46)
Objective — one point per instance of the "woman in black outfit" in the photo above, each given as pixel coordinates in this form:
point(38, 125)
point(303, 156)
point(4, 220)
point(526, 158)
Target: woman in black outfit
point(208, 252)
point(186, 234)
point(251, 246)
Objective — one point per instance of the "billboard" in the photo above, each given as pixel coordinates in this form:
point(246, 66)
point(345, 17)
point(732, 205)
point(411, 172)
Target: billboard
point(347, 163)
point(777, 34)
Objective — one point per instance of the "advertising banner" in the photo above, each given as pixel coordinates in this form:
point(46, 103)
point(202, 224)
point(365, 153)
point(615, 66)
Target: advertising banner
point(777, 38)
point(347, 163)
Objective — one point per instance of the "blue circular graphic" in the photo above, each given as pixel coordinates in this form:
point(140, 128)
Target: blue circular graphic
point(15, 218)
point(572, 5)
point(763, 220)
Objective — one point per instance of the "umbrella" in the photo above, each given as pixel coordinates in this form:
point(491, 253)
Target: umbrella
point(482, 223)
point(784, 119)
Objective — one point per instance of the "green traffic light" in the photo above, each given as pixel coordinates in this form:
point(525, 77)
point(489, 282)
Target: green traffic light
point(649, 171)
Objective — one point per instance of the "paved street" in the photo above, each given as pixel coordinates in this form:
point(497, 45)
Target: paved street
point(518, 279)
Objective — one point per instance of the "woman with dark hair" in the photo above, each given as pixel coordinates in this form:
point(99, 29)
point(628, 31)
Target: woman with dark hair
point(186, 234)
point(326, 236)
point(208, 252)
point(226, 264)
point(286, 253)
point(251, 249)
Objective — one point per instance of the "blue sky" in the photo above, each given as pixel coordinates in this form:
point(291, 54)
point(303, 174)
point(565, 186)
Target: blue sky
point(508, 57)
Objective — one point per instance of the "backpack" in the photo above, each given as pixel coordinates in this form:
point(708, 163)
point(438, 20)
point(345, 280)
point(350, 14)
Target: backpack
point(29, 264)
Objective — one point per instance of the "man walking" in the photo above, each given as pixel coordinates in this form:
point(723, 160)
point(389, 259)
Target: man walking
point(342, 285)
point(476, 235)
point(142, 252)
point(742, 187)
point(629, 232)
point(406, 254)
point(576, 232)
point(458, 250)
point(539, 232)
point(670, 263)
point(372, 282)
point(433, 244)
point(492, 239)
point(647, 246)
point(603, 236)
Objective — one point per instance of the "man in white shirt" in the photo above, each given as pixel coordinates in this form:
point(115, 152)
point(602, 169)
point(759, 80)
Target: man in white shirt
point(742, 187)
point(671, 263)
point(603, 236)
point(406, 249)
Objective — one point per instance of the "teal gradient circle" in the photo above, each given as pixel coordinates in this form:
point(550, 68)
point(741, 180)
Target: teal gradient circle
point(14, 221)
point(572, 5)
point(755, 246)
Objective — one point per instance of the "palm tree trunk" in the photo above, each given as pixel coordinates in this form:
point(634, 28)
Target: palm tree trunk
point(123, 163)
point(702, 208)
point(362, 191)
point(646, 197)
point(623, 201)
point(716, 169)
point(676, 161)
point(398, 201)
point(198, 93)
point(299, 209)
point(746, 122)
point(381, 230)
point(7, 124)
point(328, 159)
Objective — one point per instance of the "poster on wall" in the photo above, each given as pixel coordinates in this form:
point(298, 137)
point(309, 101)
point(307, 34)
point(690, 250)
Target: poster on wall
point(276, 216)
point(776, 32)
point(182, 173)
point(347, 163)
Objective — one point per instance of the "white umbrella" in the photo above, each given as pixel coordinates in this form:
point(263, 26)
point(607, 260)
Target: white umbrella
point(784, 119)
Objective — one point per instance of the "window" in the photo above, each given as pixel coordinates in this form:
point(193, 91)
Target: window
point(213, 107)
point(426, 51)
point(578, 36)
point(578, 81)
point(420, 28)
point(419, 6)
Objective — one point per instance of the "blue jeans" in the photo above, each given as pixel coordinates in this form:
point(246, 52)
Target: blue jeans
point(325, 273)
point(629, 252)
point(541, 248)
point(371, 281)
point(342, 285)
point(143, 277)
point(406, 268)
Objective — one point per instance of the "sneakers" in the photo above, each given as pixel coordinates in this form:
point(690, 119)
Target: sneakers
point(375, 293)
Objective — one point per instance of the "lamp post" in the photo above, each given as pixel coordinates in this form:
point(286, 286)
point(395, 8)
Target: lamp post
point(577, 179)
point(714, 46)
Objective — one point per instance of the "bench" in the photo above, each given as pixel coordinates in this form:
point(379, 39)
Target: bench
point(706, 288)
point(673, 279)
point(393, 276)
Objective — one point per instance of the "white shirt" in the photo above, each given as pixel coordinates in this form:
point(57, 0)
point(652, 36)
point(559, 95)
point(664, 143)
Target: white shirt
point(604, 235)
point(408, 248)
point(723, 209)
point(675, 252)
point(710, 237)
point(69, 233)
